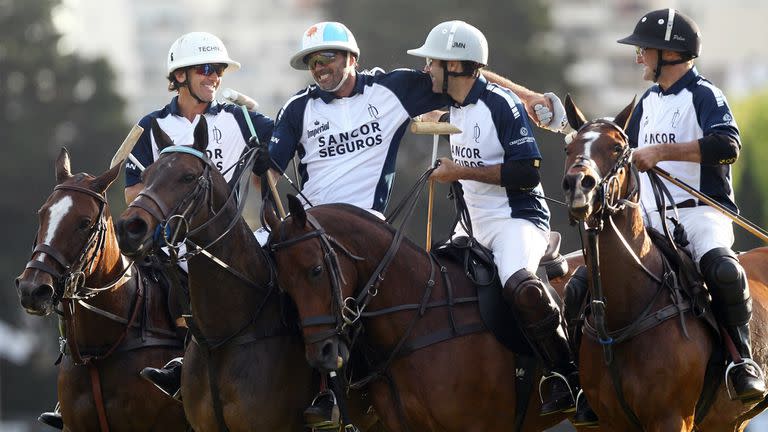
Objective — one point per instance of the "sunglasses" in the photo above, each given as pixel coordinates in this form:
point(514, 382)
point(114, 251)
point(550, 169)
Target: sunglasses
point(321, 58)
point(210, 68)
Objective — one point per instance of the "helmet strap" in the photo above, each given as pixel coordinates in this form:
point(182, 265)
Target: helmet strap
point(661, 63)
point(186, 84)
point(447, 73)
point(344, 78)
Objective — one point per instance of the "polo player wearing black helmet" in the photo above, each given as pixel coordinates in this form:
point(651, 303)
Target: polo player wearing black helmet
point(684, 125)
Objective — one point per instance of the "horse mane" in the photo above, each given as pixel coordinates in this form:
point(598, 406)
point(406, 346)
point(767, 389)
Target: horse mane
point(368, 217)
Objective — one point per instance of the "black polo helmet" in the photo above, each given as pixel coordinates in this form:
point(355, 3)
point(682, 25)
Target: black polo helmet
point(666, 29)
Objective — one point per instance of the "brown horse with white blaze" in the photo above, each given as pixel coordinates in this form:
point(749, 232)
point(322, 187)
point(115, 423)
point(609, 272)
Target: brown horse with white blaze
point(116, 318)
point(644, 356)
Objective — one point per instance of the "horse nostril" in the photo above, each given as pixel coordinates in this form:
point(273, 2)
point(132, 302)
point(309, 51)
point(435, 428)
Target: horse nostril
point(43, 291)
point(135, 227)
point(566, 184)
point(327, 350)
point(588, 182)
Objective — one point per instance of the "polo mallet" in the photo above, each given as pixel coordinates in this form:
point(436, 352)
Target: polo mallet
point(248, 103)
point(740, 220)
point(238, 98)
point(126, 147)
point(435, 129)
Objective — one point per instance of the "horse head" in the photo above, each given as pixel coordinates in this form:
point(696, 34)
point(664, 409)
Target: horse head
point(597, 161)
point(314, 276)
point(75, 228)
point(177, 195)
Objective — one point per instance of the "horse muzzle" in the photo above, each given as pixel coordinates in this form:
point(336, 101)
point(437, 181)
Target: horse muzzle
point(133, 236)
point(579, 188)
point(36, 296)
point(328, 354)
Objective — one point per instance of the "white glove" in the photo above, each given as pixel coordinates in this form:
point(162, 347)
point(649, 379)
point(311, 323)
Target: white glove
point(558, 122)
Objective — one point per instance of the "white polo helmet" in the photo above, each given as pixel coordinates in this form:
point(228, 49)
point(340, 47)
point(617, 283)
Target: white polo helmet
point(199, 48)
point(322, 36)
point(454, 40)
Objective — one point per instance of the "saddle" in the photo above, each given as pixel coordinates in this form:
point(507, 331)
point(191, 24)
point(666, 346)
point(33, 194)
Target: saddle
point(478, 265)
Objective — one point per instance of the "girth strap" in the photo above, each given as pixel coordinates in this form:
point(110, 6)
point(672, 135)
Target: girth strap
point(98, 398)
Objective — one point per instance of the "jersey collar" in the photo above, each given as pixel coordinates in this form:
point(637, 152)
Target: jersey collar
point(328, 97)
point(475, 92)
point(683, 82)
point(173, 107)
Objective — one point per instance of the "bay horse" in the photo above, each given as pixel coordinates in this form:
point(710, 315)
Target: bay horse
point(113, 329)
point(244, 369)
point(437, 370)
point(644, 356)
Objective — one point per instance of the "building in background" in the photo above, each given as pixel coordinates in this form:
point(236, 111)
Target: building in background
point(135, 36)
point(604, 72)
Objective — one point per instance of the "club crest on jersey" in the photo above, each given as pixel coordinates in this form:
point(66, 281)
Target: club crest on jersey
point(676, 119)
point(311, 133)
point(727, 118)
point(216, 134)
point(373, 111)
point(476, 133)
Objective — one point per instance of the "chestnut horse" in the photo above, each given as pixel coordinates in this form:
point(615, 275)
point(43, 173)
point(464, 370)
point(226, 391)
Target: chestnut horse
point(438, 373)
point(114, 329)
point(245, 369)
point(643, 362)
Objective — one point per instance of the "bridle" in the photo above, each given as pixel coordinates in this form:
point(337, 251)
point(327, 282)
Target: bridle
point(607, 187)
point(346, 312)
point(69, 283)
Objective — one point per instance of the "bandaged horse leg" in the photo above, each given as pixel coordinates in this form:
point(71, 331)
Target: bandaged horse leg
point(732, 304)
point(541, 322)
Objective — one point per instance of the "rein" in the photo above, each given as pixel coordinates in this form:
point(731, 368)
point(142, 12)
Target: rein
point(611, 204)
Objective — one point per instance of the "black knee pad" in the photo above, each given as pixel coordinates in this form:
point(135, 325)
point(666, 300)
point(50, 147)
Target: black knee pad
point(727, 282)
point(526, 293)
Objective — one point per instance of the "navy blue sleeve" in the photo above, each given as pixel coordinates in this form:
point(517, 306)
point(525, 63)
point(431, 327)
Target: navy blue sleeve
point(288, 130)
point(142, 151)
point(413, 89)
point(714, 114)
point(512, 126)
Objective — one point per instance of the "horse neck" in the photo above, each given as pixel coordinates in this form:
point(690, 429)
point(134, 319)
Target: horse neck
point(221, 302)
point(107, 268)
point(109, 263)
point(404, 279)
point(627, 288)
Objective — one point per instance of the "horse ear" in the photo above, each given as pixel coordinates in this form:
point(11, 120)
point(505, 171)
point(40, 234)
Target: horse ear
point(162, 140)
point(297, 210)
point(623, 117)
point(201, 134)
point(575, 117)
point(102, 182)
point(63, 169)
point(270, 216)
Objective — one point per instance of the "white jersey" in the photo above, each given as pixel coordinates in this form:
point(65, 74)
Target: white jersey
point(228, 135)
point(495, 129)
point(690, 109)
point(348, 146)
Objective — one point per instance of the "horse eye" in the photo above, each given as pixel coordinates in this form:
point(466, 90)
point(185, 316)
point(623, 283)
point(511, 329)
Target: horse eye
point(85, 224)
point(188, 178)
point(617, 148)
point(317, 270)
